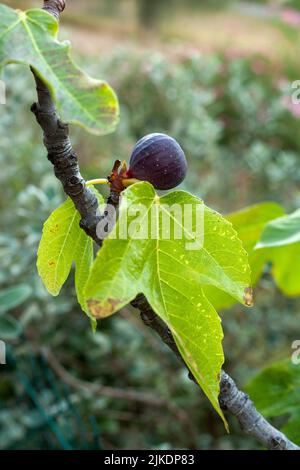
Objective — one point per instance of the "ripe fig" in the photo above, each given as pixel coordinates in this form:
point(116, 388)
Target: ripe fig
point(159, 159)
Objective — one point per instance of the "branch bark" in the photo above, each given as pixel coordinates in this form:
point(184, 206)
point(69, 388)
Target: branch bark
point(64, 159)
point(66, 168)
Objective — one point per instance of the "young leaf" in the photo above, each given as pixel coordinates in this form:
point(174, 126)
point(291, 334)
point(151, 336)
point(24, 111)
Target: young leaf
point(57, 246)
point(249, 224)
point(275, 392)
point(280, 243)
point(171, 275)
point(286, 268)
point(30, 38)
point(281, 232)
point(83, 258)
point(64, 242)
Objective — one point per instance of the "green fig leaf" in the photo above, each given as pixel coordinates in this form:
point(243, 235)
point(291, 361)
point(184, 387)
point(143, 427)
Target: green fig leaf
point(249, 224)
point(280, 244)
point(64, 242)
point(281, 231)
point(286, 268)
point(171, 274)
point(30, 38)
point(83, 258)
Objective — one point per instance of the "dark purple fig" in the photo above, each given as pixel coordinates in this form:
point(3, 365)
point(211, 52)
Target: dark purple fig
point(159, 159)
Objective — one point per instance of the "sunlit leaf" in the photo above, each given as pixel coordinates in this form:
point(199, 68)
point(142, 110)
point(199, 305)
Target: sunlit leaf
point(286, 268)
point(30, 38)
point(280, 244)
point(59, 240)
point(281, 232)
point(64, 242)
point(83, 258)
point(249, 224)
point(171, 276)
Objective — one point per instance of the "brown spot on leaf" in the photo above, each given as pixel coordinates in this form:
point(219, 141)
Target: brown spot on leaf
point(54, 228)
point(51, 264)
point(248, 296)
point(99, 310)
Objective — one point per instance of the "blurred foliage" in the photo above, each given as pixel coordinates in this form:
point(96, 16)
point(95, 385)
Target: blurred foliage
point(275, 391)
point(233, 119)
point(149, 12)
point(281, 3)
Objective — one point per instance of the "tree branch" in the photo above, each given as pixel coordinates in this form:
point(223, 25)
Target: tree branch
point(64, 160)
point(231, 398)
point(55, 7)
point(251, 421)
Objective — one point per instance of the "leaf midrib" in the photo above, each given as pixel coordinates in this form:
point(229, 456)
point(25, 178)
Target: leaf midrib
point(36, 47)
point(12, 26)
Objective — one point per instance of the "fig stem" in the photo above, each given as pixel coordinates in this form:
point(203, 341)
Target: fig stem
point(129, 181)
point(126, 181)
point(97, 181)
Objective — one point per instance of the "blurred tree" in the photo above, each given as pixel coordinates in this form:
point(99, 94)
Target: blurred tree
point(149, 12)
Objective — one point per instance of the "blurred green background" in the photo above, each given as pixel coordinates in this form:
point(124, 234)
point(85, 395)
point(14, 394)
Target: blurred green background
point(216, 75)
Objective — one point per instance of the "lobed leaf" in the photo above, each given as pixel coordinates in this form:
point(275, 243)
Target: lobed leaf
point(30, 38)
point(56, 249)
point(172, 276)
point(286, 268)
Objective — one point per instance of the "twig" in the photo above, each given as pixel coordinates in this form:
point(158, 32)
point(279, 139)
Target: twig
point(55, 7)
point(144, 398)
point(63, 157)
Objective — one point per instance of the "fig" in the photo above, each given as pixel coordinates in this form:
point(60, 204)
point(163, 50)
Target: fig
point(159, 159)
